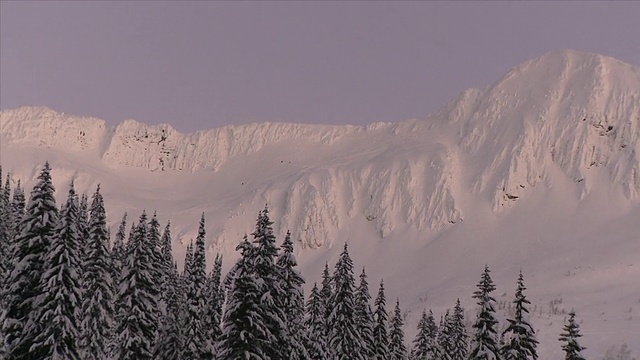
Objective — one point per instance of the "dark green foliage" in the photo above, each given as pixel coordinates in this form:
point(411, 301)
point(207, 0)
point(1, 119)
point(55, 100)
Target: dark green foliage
point(28, 254)
point(569, 336)
point(519, 338)
point(380, 335)
point(397, 349)
point(485, 344)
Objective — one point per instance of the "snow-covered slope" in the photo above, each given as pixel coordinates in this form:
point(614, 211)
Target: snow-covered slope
point(539, 171)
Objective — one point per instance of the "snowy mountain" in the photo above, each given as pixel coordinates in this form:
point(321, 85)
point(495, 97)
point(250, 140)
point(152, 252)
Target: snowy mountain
point(538, 171)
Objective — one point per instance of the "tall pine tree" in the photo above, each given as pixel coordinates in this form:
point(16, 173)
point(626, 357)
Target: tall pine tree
point(345, 341)
point(380, 334)
point(485, 344)
point(28, 253)
point(364, 315)
point(98, 284)
point(56, 307)
point(458, 334)
point(424, 344)
point(571, 347)
point(316, 326)
point(139, 296)
point(397, 348)
point(519, 337)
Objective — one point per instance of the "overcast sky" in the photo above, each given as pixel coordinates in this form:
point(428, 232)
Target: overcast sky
point(199, 65)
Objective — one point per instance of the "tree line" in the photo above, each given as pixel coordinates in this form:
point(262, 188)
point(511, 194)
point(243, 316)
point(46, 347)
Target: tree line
point(70, 292)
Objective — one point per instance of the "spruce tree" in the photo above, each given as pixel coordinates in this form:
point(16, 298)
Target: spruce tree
point(445, 337)
point(458, 334)
point(345, 341)
point(56, 307)
point(380, 335)
point(569, 337)
point(424, 344)
point(195, 345)
point(28, 253)
point(519, 336)
point(98, 285)
point(263, 260)
point(5, 233)
point(292, 301)
point(167, 263)
point(316, 325)
point(326, 294)
point(119, 250)
point(397, 348)
point(17, 209)
point(245, 331)
point(485, 343)
point(136, 332)
point(364, 315)
point(171, 339)
point(213, 308)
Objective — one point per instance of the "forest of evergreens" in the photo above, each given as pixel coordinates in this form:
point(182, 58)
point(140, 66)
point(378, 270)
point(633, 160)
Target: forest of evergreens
point(72, 291)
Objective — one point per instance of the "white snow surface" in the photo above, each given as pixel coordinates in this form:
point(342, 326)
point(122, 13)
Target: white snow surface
point(540, 172)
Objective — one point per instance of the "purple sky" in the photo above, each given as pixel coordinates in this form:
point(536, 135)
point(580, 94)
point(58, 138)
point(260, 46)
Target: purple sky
point(199, 65)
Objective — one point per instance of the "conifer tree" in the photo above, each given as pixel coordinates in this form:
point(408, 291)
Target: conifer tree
point(519, 336)
point(5, 232)
point(263, 261)
point(195, 345)
point(345, 341)
point(445, 337)
point(136, 332)
point(424, 344)
point(98, 285)
point(56, 307)
point(364, 315)
point(485, 343)
point(326, 294)
point(380, 335)
point(292, 301)
point(167, 263)
point(158, 265)
point(119, 250)
point(458, 334)
point(315, 324)
point(83, 226)
point(397, 348)
point(213, 308)
point(28, 254)
point(17, 209)
point(245, 332)
point(569, 337)
point(171, 340)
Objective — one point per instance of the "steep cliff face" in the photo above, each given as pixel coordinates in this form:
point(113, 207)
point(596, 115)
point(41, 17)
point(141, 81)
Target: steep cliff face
point(568, 111)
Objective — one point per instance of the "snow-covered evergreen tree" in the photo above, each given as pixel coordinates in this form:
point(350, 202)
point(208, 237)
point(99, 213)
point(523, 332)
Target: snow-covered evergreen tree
point(5, 233)
point(458, 334)
point(485, 342)
point(17, 209)
point(56, 308)
point(316, 325)
point(345, 341)
point(292, 301)
point(364, 315)
point(28, 253)
point(569, 336)
point(98, 285)
point(245, 331)
point(445, 339)
point(263, 261)
point(167, 263)
point(136, 332)
point(195, 342)
point(380, 334)
point(519, 337)
point(424, 344)
point(171, 339)
point(119, 250)
point(326, 294)
point(397, 348)
point(213, 308)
